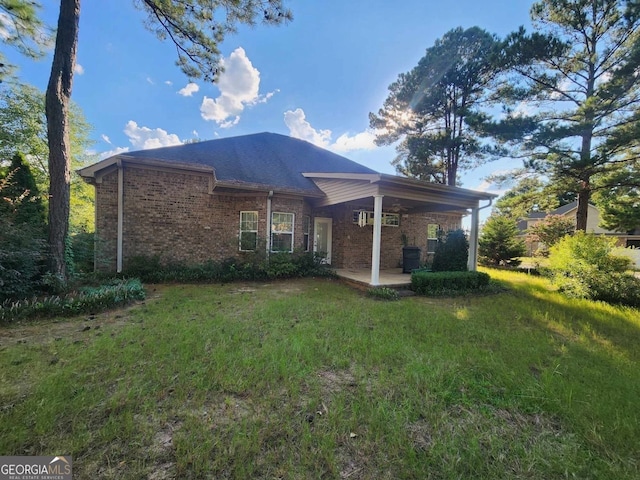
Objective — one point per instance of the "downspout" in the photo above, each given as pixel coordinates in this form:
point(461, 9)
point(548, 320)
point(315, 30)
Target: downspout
point(472, 261)
point(120, 217)
point(268, 242)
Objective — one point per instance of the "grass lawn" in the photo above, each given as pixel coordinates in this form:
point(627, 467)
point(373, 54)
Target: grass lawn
point(309, 379)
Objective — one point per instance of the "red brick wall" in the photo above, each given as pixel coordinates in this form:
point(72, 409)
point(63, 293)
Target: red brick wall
point(352, 244)
point(172, 215)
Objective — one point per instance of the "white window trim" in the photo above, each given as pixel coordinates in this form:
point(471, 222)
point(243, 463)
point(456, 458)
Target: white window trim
point(307, 232)
point(293, 227)
point(251, 231)
point(432, 238)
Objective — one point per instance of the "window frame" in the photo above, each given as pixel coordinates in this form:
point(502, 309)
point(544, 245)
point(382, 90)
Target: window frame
point(386, 219)
point(241, 230)
point(306, 232)
point(282, 232)
point(434, 238)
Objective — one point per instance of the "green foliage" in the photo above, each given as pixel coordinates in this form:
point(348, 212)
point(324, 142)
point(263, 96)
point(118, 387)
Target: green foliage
point(577, 74)
point(87, 300)
point(429, 108)
point(498, 244)
point(619, 203)
point(21, 29)
point(583, 266)
point(443, 283)
point(198, 27)
point(550, 230)
point(22, 240)
point(23, 128)
point(83, 245)
point(383, 293)
point(452, 253)
point(22, 197)
point(531, 194)
point(249, 267)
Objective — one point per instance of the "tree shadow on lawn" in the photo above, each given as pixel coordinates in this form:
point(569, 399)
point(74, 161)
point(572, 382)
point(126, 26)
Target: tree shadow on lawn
point(593, 376)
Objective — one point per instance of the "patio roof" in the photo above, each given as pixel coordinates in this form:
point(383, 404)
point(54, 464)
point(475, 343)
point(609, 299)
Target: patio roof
point(344, 187)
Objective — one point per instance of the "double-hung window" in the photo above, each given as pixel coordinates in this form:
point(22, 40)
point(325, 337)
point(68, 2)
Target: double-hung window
point(432, 237)
point(248, 231)
point(282, 232)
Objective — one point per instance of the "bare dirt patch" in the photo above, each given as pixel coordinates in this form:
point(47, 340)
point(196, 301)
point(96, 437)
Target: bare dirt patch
point(76, 328)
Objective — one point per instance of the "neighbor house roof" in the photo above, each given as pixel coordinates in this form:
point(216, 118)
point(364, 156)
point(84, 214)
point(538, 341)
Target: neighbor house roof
point(267, 159)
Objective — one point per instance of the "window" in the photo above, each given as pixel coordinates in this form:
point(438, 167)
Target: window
point(432, 237)
point(281, 232)
point(306, 232)
point(388, 219)
point(248, 231)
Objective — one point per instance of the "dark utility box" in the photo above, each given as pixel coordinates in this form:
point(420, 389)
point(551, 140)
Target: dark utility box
point(410, 259)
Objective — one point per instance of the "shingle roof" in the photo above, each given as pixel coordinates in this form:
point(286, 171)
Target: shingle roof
point(565, 208)
point(266, 159)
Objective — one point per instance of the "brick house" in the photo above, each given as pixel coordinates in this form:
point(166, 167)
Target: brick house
point(222, 198)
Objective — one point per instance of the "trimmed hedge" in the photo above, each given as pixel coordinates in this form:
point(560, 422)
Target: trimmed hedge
point(439, 283)
point(86, 300)
point(251, 267)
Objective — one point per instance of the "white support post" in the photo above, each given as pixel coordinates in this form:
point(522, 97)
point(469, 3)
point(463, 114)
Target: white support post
point(377, 234)
point(472, 263)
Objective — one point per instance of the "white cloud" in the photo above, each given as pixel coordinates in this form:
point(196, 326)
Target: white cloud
point(359, 141)
point(299, 127)
point(78, 69)
point(143, 138)
point(111, 153)
point(150, 81)
point(168, 82)
point(189, 90)
point(195, 133)
point(105, 138)
point(239, 87)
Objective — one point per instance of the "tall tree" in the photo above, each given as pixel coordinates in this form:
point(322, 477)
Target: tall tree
point(532, 194)
point(428, 108)
point(23, 129)
point(21, 29)
point(578, 75)
point(196, 28)
point(620, 205)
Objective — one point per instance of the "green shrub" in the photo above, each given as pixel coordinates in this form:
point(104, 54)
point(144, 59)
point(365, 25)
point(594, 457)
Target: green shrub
point(498, 243)
point(583, 266)
point(452, 254)
point(383, 293)
point(87, 300)
point(440, 283)
point(250, 267)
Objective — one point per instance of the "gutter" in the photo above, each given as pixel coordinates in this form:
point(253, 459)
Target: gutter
point(268, 235)
point(119, 243)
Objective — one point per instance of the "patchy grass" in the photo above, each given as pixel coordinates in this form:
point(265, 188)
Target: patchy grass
point(310, 379)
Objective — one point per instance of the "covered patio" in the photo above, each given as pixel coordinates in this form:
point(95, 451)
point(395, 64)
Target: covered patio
point(392, 278)
point(397, 194)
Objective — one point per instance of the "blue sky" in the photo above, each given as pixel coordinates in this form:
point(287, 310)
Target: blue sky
point(316, 78)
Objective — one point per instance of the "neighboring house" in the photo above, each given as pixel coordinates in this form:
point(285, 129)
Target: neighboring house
point(222, 198)
point(626, 239)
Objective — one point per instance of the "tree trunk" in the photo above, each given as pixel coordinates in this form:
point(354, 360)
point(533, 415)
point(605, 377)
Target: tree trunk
point(583, 206)
point(57, 111)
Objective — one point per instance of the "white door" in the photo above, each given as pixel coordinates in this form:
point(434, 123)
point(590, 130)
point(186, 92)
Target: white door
point(322, 237)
